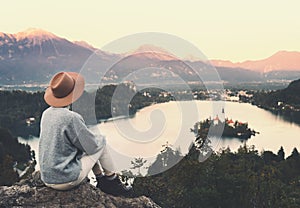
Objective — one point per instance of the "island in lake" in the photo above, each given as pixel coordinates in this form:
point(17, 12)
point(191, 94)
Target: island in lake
point(227, 128)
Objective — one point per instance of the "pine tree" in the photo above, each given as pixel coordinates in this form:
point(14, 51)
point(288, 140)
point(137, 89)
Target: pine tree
point(137, 164)
point(281, 154)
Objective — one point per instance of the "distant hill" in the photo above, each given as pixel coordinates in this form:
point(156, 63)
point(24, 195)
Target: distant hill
point(287, 96)
point(291, 93)
point(35, 55)
point(285, 102)
point(280, 61)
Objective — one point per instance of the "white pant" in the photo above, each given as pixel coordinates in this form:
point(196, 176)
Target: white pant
point(87, 164)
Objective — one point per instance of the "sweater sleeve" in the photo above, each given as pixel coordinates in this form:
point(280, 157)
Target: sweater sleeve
point(83, 138)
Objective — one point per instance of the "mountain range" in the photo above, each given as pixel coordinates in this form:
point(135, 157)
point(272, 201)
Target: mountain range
point(34, 55)
point(280, 61)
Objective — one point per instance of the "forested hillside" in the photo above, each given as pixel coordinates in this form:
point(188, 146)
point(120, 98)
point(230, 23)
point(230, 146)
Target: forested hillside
point(226, 179)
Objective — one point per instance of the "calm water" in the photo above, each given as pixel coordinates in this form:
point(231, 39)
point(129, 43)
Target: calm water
point(157, 125)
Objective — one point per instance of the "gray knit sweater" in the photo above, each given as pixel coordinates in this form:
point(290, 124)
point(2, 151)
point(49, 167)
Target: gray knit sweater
point(64, 137)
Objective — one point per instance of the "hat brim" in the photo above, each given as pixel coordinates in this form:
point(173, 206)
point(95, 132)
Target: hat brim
point(71, 97)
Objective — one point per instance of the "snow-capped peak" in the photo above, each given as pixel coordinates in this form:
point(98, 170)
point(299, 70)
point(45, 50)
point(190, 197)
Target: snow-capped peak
point(35, 34)
point(153, 52)
point(151, 48)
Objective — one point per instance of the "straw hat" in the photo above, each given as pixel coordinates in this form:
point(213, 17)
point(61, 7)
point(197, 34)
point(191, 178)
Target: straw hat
point(64, 89)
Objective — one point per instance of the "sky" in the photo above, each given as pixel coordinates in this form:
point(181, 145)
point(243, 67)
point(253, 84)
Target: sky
point(235, 30)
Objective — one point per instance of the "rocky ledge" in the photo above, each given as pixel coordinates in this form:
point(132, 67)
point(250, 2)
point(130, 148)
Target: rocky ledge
point(31, 192)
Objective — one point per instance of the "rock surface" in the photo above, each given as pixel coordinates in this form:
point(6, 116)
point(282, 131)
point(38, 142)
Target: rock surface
point(31, 192)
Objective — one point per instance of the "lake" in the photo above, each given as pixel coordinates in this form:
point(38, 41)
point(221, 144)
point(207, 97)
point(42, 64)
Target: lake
point(169, 124)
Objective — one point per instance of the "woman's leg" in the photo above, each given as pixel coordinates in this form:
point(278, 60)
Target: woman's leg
point(106, 163)
point(87, 163)
point(93, 162)
point(110, 183)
